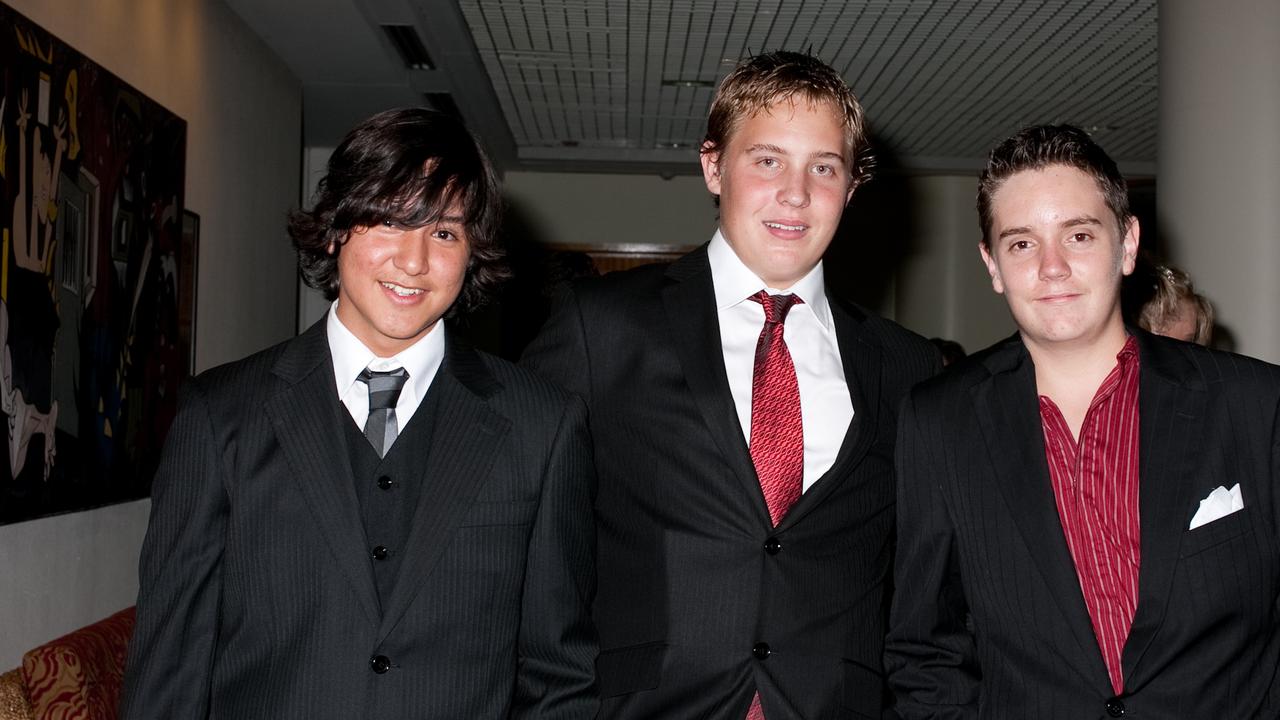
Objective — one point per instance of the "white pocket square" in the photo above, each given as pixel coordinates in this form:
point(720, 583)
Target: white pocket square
point(1220, 503)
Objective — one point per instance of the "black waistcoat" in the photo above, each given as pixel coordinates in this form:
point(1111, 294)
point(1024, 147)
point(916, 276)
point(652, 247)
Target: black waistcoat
point(389, 489)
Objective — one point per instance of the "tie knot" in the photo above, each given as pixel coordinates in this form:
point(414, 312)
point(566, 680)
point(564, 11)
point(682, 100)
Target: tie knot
point(384, 387)
point(776, 306)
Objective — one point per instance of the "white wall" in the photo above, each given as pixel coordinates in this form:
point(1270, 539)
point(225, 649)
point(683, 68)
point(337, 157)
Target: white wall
point(243, 113)
point(1220, 162)
point(311, 304)
point(942, 287)
point(588, 209)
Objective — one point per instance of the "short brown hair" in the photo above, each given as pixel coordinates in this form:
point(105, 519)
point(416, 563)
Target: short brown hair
point(762, 81)
point(1042, 146)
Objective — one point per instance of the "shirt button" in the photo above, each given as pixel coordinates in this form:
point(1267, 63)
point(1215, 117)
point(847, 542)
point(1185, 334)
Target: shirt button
point(761, 651)
point(385, 483)
point(772, 546)
point(380, 663)
point(380, 552)
point(1115, 707)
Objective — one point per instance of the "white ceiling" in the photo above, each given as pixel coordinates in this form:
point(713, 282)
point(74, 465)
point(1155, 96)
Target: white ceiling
point(624, 85)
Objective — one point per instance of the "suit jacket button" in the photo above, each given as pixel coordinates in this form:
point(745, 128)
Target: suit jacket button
point(380, 663)
point(1115, 707)
point(380, 552)
point(385, 483)
point(761, 651)
point(772, 546)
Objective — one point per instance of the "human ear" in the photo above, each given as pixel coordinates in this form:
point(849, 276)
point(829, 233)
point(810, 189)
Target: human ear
point(710, 159)
point(992, 268)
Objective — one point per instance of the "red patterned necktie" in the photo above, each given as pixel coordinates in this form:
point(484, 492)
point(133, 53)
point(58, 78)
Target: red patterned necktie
point(777, 432)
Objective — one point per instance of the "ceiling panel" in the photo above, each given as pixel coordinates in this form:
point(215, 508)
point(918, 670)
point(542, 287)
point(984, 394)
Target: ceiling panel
point(624, 85)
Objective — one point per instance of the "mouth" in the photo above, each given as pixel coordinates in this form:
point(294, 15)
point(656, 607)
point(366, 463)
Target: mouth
point(785, 227)
point(400, 290)
point(1058, 298)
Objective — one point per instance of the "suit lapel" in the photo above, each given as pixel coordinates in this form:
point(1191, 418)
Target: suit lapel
point(690, 304)
point(1171, 405)
point(307, 418)
point(862, 363)
point(1009, 419)
point(458, 462)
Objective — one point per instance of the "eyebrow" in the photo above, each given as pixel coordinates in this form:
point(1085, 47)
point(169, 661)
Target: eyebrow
point(765, 147)
point(1073, 222)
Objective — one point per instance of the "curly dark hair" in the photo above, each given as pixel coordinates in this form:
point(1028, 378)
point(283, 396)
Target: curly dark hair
point(1038, 147)
point(406, 166)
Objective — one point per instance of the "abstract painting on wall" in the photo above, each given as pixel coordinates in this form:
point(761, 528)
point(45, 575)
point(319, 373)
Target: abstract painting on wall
point(91, 201)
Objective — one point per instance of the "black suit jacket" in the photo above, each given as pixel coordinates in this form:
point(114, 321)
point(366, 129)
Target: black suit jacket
point(701, 602)
point(980, 542)
point(257, 594)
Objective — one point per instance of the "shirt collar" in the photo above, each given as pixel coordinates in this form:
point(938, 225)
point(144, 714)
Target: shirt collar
point(734, 282)
point(422, 359)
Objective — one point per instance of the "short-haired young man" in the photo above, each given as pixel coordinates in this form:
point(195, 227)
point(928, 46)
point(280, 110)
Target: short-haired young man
point(372, 520)
point(1088, 517)
point(745, 507)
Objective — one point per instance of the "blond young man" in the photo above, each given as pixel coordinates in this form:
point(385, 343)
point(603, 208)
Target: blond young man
point(743, 423)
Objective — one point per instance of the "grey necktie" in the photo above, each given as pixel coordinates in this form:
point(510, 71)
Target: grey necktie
point(384, 391)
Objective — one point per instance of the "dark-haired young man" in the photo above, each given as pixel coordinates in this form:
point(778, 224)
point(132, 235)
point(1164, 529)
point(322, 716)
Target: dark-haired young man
point(371, 520)
point(1088, 514)
point(743, 422)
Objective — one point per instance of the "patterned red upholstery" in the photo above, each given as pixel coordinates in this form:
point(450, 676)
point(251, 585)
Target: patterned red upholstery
point(78, 676)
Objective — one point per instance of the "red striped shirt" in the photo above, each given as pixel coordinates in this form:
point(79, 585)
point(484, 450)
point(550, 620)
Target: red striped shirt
point(1095, 484)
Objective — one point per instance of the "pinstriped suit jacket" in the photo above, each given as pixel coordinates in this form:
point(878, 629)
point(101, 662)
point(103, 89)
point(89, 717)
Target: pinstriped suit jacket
point(988, 618)
point(693, 578)
point(257, 593)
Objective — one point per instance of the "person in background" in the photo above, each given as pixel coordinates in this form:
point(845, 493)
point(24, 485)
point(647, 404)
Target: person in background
point(1176, 310)
point(372, 520)
point(1088, 514)
point(743, 420)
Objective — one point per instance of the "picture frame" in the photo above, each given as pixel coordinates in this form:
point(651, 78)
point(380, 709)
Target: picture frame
point(188, 277)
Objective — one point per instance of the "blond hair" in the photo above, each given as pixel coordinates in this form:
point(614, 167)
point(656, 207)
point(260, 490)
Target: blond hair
point(762, 81)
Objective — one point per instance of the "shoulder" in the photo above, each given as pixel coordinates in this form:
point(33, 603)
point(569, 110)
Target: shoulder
point(520, 390)
point(622, 287)
point(905, 351)
point(242, 385)
point(247, 373)
point(1218, 370)
point(627, 285)
point(953, 386)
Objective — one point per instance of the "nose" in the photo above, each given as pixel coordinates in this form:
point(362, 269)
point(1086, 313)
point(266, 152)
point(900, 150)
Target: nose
point(1053, 263)
point(794, 190)
point(413, 253)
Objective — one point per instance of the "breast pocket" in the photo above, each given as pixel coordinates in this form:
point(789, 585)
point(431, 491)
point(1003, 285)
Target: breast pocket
point(1218, 532)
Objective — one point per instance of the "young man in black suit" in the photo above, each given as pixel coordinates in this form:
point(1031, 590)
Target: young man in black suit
point(437, 563)
point(1089, 523)
point(743, 422)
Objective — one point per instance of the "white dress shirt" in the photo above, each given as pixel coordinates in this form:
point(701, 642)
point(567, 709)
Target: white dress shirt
point(825, 407)
point(350, 356)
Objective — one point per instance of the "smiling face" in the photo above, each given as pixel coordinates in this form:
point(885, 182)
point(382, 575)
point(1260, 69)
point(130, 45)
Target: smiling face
point(395, 282)
point(783, 181)
point(1057, 255)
